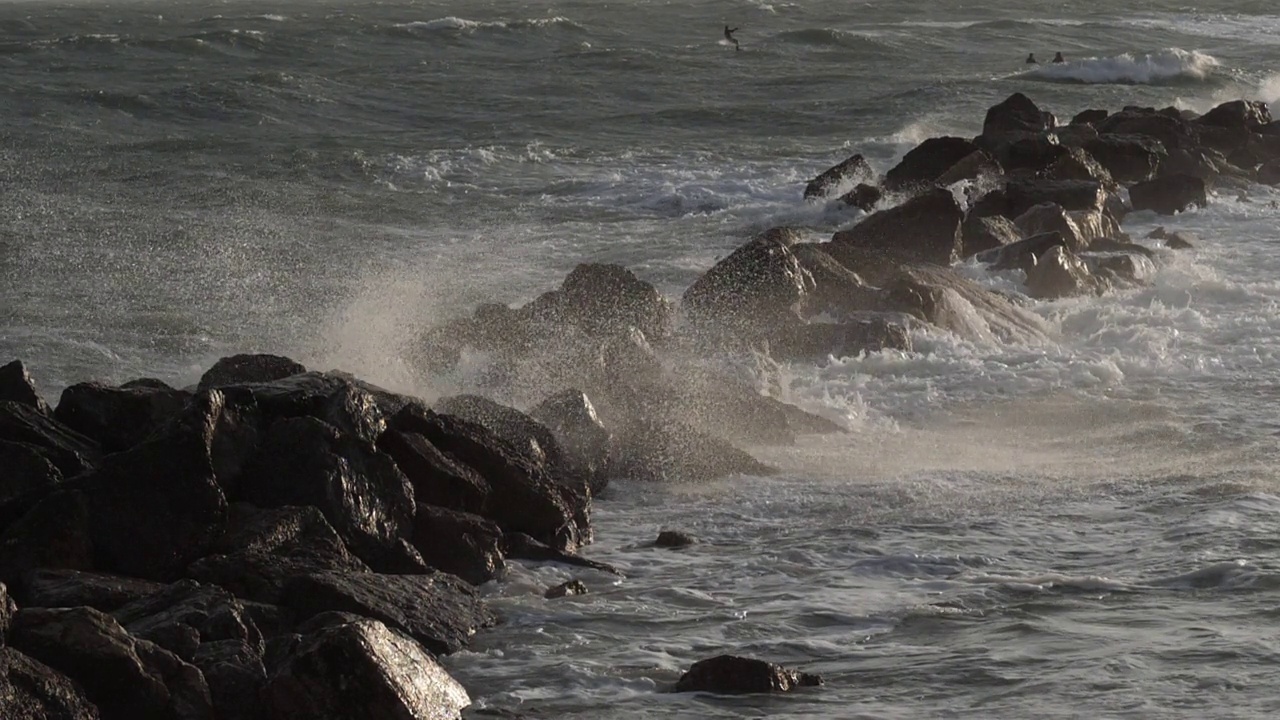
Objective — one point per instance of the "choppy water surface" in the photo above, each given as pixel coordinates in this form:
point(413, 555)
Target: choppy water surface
point(1084, 527)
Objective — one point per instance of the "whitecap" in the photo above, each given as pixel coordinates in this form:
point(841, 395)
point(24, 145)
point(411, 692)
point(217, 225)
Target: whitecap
point(1129, 69)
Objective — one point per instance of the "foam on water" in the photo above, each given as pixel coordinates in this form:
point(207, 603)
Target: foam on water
point(1153, 68)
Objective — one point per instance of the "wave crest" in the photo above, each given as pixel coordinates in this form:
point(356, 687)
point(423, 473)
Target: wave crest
point(1165, 66)
point(456, 24)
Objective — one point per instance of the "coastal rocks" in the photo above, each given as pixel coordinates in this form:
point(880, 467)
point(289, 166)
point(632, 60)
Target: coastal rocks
point(68, 450)
point(242, 369)
point(755, 289)
point(1169, 194)
point(52, 588)
point(1018, 196)
point(26, 475)
point(863, 196)
point(674, 539)
point(1021, 255)
point(1078, 164)
point(1269, 173)
point(183, 616)
point(1079, 229)
point(1033, 153)
point(1249, 114)
point(730, 674)
point(117, 418)
point(852, 336)
point(982, 234)
point(855, 167)
point(944, 298)
point(1059, 273)
point(1128, 158)
point(1169, 129)
point(588, 444)
point(391, 675)
point(31, 690)
point(1176, 240)
point(659, 451)
point(459, 543)
point(1016, 114)
point(522, 433)
point(565, 589)
point(973, 166)
point(1090, 117)
point(928, 161)
point(837, 290)
point(17, 386)
point(519, 546)
point(603, 300)
point(53, 534)
point(925, 228)
point(236, 675)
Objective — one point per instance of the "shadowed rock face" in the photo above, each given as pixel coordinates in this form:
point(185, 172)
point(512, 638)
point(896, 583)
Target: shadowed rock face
point(928, 161)
point(17, 386)
point(241, 369)
point(118, 418)
point(855, 167)
point(68, 450)
point(31, 690)
point(926, 228)
point(1169, 194)
point(729, 674)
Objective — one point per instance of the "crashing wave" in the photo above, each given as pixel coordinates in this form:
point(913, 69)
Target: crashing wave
point(1127, 69)
point(456, 24)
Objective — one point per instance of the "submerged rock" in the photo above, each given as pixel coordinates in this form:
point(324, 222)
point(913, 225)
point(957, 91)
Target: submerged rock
point(674, 539)
point(730, 674)
point(519, 546)
point(565, 589)
point(1059, 273)
point(675, 452)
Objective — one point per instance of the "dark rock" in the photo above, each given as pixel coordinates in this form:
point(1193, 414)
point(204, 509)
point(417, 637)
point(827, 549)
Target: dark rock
point(187, 614)
point(837, 290)
point(1078, 164)
point(361, 492)
point(519, 546)
point(76, 588)
point(863, 196)
point(729, 674)
point(351, 405)
point(928, 161)
point(674, 539)
point(1031, 152)
point(1017, 114)
point(437, 478)
point(31, 690)
point(603, 300)
point(971, 167)
point(1121, 268)
point(1271, 128)
point(926, 228)
point(1078, 230)
point(855, 167)
point(982, 234)
point(7, 609)
point(1269, 173)
point(1023, 254)
point(459, 543)
point(262, 549)
point(1169, 130)
point(236, 675)
point(54, 534)
point(68, 450)
point(146, 383)
point(1181, 240)
point(946, 299)
point(1019, 196)
point(1109, 245)
point(117, 418)
point(1204, 164)
point(1092, 117)
point(439, 610)
point(756, 288)
point(1169, 194)
point(565, 589)
point(675, 452)
point(527, 436)
point(1059, 273)
point(390, 674)
point(241, 369)
point(26, 476)
point(868, 333)
point(17, 386)
point(1129, 158)
point(124, 676)
point(587, 443)
point(1248, 114)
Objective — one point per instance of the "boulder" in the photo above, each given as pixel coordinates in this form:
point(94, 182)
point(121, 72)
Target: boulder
point(730, 674)
point(1077, 229)
point(863, 196)
point(519, 546)
point(946, 299)
point(1202, 163)
point(392, 676)
point(971, 167)
point(604, 300)
point(1269, 173)
point(1016, 114)
point(53, 534)
point(1060, 273)
point(1078, 164)
point(1168, 194)
point(925, 228)
point(31, 690)
point(1129, 158)
point(352, 406)
point(587, 443)
point(236, 676)
point(928, 161)
point(1271, 128)
point(982, 234)
point(756, 288)
point(437, 478)
point(1170, 130)
point(17, 386)
point(55, 588)
point(242, 369)
point(117, 418)
point(565, 589)
point(185, 615)
point(1018, 196)
point(855, 167)
point(1021, 255)
point(1032, 153)
point(1091, 117)
point(124, 676)
point(1250, 114)
point(854, 335)
point(837, 290)
point(1121, 268)
point(438, 610)
point(672, 451)
point(674, 539)
point(68, 450)
point(26, 476)
point(459, 543)
point(1181, 240)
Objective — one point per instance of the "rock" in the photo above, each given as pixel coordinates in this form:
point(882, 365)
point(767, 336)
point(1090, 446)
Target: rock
point(459, 543)
point(30, 690)
point(7, 609)
point(1129, 158)
point(982, 234)
point(973, 166)
point(756, 288)
point(674, 539)
point(1158, 234)
point(1030, 152)
point(117, 418)
point(1092, 117)
point(852, 168)
point(565, 589)
point(604, 300)
point(439, 610)
point(236, 675)
point(925, 228)
point(928, 161)
point(837, 290)
point(53, 588)
point(185, 615)
point(54, 534)
point(1109, 245)
point(1017, 114)
point(262, 549)
point(352, 406)
point(947, 300)
point(68, 450)
point(867, 333)
point(1181, 240)
point(675, 452)
point(124, 676)
point(1131, 268)
point(17, 386)
point(1238, 114)
point(1168, 129)
point(1078, 229)
point(1269, 173)
point(242, 369)
point(1204, 164)
point(1169, 194)
point(587, 443)
point(863, 196)
point(1078, 164)
point(1059, 273)
point(729, 674)
point(1271, 128)
point(361, 492)
point(437, 478)
point(26, 476)
point(1023, 254)
point(519, 546)
point(391, 675)
point(1018, 196)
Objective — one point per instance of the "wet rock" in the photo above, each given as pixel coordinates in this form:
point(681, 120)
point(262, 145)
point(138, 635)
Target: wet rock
point(603, 300)
point(352, 406)
point(1271, 128)
point(1031, 153)
point(671, 451)
point(1016, 114)
point(1092, 117)
point(1129, 158)
point(950, 301)
point(1181, 240)
point(390, 673)
point(1019, 196)
point(925, 228)
point(1121, 268)
point(236, 675)
point(26, 476)
point(31, 690)
point(147, 383)
point(17, 386)
point(867, 333)
point(1078, 164)
point(124, 676)
point(437, 478)
point(1248, 114)
point(674, 539)
point(185, 615)
point(1079, 229)
point(729, 674)
point(438, 610)
point(983, 234)
point(1109, 245)
point(68, 450)
point(1169, 194)
point(565, 589)
point(519, 546)
point(837, 290)
point(1023, 254)
point(361, 492)
point(928, 161)
point(242, 369)
point(1060, 273)
point(1169, 130)
point(117, 418)
point(7, 609)
point(756, 288)
point(855, 167)
point(1207, 165)
point(459, 543)
point(587, 443)
point(863, 196)
point(54, 588)
point(54, 534)
point(973, 166)
point(1269, 173)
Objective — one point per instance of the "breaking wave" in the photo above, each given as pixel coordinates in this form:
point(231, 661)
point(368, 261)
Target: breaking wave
point(1169, 65)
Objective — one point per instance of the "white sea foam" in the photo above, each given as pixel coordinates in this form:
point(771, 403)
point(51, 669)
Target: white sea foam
point(1128, 69)
point(463, 25)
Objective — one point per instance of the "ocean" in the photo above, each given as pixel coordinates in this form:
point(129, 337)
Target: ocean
point(1084, 527)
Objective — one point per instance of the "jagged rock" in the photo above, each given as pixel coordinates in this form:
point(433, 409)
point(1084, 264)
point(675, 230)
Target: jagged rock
point(1018, 196)
point(31, 690)
point(1250, 114)
point(1016, 114)
point(438, 610)
point(854, 167)
point(391, 675)
point(1208, 165)
point(674, 539)
point(117, 418)
point(351, 405)
point(361, 492)
point(1031, 152)
point(241, 369)
point(7, 609)
point(1169, 130)
point(729, 674)
point(17, 386)
point(236, 675)
point(1092, 117)
point(1129, 158)
point(756, 288)
point(655, 450)
point(148, 383)
point(604, 299)
point(1169, 194)
point(54, 534)
point(1075, 137)
point(437, 478)
point(565, 589)
point(863, 197)
point(587, 443)
point(124, 676)
point(262, 549)
point(982, 234)
point(928, 161)
point(856, 334)
point(187, 614)
point(69, 451)
point(950, 301)
point(925, 228)
point(55, 588)
point(1078, 164)
point(519, 546)
point(26, 476)
point(1133, 268)
point(459, 543)
point(973, 166)
point(837, 290)
point(1269, 173)
point(1022, 255)
point(1059, 273)
point(1079, 229)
